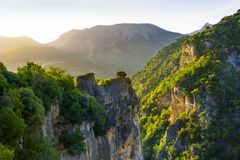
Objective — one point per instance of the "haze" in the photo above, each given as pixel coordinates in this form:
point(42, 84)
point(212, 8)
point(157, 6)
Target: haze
point(45, 20)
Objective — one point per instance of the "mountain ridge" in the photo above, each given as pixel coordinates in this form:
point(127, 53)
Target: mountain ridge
point(7, 43)
point(206, 25)
point(103, 49)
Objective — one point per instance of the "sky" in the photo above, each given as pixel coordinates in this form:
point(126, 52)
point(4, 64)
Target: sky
point(46, 20)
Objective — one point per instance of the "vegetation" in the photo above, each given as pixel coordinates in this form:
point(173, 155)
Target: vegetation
point(27, 96)
point(6, 153)
point(189, 110)
point(103, 82)
point(161, 65)
point(74, 140)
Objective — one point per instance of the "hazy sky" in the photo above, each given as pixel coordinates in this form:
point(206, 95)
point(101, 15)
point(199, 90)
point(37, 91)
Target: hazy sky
point(45, 20)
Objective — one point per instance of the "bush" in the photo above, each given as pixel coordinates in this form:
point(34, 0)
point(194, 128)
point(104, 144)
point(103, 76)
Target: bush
point(2, 67)
point(44, 85)
point(74, 141)
point(24, 98)
point(77, 107)
point(26, 104)
point(6, 153)
point(11, 127)
point(37, 147)
point(3, 84)
point(103, 82)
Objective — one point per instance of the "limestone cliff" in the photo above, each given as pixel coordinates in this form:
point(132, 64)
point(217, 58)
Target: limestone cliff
point(192, 111)
point(122, 138)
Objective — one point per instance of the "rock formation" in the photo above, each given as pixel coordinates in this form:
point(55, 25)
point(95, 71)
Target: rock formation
point(122, 138)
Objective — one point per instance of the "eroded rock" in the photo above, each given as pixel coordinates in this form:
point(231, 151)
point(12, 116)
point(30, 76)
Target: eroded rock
point(122, 139)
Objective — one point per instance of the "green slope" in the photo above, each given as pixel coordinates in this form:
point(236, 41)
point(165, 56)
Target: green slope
point(190, 96)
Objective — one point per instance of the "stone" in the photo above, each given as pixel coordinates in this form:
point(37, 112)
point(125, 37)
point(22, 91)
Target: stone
point(121, 74)
point(122, 138)
point(87, 83)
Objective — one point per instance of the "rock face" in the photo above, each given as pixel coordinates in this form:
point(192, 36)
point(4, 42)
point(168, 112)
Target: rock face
point(48, 127)
point(122, 140)
point(188, 54)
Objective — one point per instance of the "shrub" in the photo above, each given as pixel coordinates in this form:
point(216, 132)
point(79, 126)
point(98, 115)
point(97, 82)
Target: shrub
point(11, 127)
point(6, 153)
point(74, 141)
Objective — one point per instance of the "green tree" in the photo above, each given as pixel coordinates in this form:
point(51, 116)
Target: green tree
point(37, 147)
point(11, 127)
point(3, 84)
point(30, 107)
point(65, 80)
point(2, 67)
point(44, 85)
point(6, 153)
point(74, 141)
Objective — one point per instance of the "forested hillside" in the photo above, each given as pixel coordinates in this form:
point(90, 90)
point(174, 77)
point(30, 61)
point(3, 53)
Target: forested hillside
point(190, 96)
point(46, 114)
point(26, 98)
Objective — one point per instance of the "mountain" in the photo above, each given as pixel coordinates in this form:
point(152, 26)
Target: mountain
point(108, 49)
point(206, 25)
point(190, 96)
point(7, 43)
point(100, 49)
point(41, 54)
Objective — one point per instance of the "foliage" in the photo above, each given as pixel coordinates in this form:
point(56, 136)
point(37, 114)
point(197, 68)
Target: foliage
point(74, 141)
point(11, 128)
point(6, 153)
point(3, 84)
point(2, 67)
point(27, 96)
point(209, 130)
point(161, 65)
point(77, 107)
point(24, 102)
point(103, 82)
point(44, 86)
point(36, 146)
point(65, 80)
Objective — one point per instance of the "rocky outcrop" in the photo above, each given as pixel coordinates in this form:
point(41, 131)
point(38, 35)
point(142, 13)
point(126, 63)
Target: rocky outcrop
point(178, 103)
point(188, 53)
point(96, 147)
point(88, 83)
point(48, 127)
point(122, 140)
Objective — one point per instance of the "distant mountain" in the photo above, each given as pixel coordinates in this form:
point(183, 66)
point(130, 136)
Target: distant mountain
point(7, 43)
point(107, 49)
point(100, 49)
point(206, 25)
point(41, 54)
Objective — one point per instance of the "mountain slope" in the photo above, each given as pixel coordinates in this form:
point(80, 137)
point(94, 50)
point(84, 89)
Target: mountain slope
point(101, 49)
point(7, 43)
point(190, 104)
point(44, 55)
point(206, 25)
point(123, 46)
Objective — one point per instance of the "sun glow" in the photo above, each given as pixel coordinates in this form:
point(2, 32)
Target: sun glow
point(45, 20)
